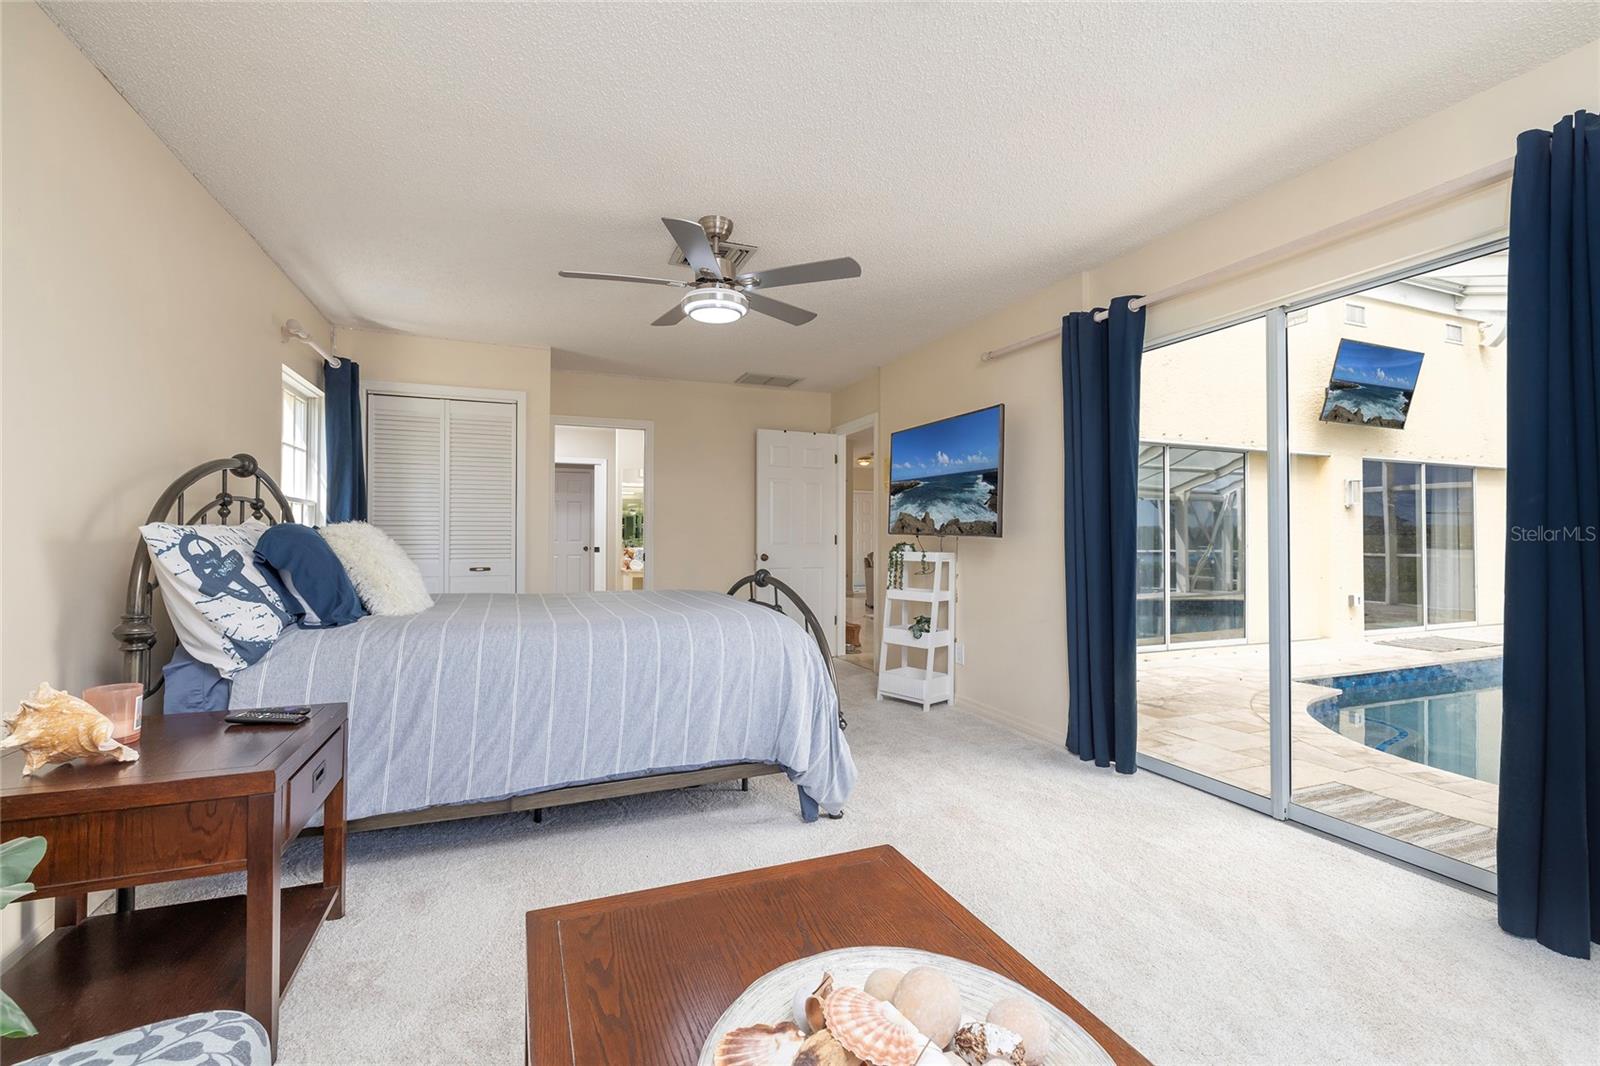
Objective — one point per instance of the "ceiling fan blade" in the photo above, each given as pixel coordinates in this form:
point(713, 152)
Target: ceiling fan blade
point(795, 316)
point(671, 318)
point(801, 273)
point(620, 277)
point(693, 244)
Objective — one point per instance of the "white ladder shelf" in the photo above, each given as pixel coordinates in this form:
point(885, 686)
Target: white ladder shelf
point(926, 684)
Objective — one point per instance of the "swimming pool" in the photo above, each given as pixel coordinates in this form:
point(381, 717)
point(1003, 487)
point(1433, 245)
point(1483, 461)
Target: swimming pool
point(1446, 715)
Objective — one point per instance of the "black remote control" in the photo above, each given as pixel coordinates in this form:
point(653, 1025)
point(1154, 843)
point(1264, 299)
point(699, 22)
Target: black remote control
point(281, 716)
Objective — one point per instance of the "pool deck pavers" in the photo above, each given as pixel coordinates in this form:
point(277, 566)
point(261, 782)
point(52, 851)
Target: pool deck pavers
point(1206, 709)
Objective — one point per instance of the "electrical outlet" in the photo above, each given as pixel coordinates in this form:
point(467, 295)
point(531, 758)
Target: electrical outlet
point(961, 653)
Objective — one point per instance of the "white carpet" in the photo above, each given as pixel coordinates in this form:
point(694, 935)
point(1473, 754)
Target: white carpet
point(1201, 931)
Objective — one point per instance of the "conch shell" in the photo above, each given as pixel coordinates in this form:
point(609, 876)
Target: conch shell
point(55, 726)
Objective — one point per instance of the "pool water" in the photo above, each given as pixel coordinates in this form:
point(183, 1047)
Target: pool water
point(1446, 716)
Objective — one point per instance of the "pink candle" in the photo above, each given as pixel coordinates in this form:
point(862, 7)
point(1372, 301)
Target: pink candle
point(123, 704)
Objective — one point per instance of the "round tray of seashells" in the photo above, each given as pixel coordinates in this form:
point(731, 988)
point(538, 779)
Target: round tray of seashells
point(893, 1007)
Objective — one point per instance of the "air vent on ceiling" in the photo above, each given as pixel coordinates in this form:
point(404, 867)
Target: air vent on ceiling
point(775, 380)
point(735, 254)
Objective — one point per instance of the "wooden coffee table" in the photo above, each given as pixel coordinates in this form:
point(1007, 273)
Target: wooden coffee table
point(640, 979)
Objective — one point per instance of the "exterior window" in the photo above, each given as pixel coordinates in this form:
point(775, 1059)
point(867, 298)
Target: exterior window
point(1355, 315)
point(1190, 544)
point(1419, 566)
point(1453, 333)
point(1298, 318)
point(300, 474)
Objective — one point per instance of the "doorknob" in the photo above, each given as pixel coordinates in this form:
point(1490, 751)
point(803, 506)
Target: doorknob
point(763, 556)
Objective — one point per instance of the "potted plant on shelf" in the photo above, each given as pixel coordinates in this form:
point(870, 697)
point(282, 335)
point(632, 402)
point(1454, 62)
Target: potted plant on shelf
point(17, 861)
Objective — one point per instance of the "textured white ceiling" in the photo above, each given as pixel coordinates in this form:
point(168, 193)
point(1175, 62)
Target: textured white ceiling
point(428, 168)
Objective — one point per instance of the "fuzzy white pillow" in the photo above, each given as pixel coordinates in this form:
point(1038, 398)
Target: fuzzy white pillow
point(385, 578)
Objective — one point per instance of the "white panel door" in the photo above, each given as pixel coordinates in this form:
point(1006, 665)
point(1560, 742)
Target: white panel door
point(406, 478)
point(863, 537)
point(572, 529)
point(799, 503)
point(481, 496)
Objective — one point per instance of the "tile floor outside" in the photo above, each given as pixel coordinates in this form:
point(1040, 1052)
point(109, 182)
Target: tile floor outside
point(1206, 710)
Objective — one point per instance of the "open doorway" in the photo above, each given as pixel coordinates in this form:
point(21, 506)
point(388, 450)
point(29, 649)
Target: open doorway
point(861, 572)
point(600, 506)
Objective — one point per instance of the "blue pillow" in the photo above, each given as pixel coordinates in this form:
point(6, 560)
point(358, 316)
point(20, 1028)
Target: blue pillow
point(192, 685)
point(319, 589)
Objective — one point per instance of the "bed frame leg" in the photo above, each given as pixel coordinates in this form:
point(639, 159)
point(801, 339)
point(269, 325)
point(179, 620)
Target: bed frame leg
point(538, 814)
point(744, 784)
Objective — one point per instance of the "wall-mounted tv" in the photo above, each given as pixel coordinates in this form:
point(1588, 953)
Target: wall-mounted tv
point(1371, 385)
point(945, 476)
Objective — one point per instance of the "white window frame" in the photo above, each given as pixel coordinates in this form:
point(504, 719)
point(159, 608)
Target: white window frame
point(1355, 314)
point(1455, 333)
point(309, 510)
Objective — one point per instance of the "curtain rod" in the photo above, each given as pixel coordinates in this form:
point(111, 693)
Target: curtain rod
point(1449, 190)
point(294, 331)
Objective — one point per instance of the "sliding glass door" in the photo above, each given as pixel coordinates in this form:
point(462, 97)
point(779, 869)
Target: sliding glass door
point(1203, 665)
point(1397, 531)
point(1320, 543)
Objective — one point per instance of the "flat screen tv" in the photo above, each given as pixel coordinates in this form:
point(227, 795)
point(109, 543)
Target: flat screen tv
point(945, 476)
point(1371, 385)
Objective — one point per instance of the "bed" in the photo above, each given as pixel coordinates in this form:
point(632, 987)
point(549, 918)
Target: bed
point(499, 702)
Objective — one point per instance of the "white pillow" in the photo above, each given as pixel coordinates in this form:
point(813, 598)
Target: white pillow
point(227, 610)
point(385, 578)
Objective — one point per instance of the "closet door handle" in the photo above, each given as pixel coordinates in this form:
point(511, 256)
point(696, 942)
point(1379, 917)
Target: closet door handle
point(478, 569)
point(763, 556)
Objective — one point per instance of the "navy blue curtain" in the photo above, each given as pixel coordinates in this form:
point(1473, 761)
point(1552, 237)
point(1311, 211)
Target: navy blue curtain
point(1100, 401)
point(347, 472)
point(1549, 861)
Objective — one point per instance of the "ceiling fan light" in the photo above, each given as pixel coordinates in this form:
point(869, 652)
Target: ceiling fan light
point(715, 305)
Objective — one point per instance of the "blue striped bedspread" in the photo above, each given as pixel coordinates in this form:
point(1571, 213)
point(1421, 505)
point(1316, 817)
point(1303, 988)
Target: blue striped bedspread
point(488, 696)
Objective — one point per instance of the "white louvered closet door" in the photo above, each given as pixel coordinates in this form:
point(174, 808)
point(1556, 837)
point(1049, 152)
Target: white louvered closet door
point(406, 478)
point(481, 498)
point(442, 481)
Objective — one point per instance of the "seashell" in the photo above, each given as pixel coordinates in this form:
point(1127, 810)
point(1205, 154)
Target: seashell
point(979, 1043)
point(931, 1002)
point(55, 726)
point(822, 1048)
point(1023, 1017)
point(882, 982)
point(871, 1029)
point(759, 1045)
point(807, 1008)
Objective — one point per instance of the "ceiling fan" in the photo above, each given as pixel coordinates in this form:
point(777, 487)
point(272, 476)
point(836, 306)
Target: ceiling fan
point(717, 296)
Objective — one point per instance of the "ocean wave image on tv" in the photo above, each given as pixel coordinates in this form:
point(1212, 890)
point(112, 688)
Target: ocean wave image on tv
point(945, 476)
point(1371, 385)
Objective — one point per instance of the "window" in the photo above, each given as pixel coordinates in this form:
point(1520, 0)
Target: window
point(1453, 333)
point(300, 474)
point(1190, 544)
point(1418, 561)
point(1355, 315)
point(1299, 318)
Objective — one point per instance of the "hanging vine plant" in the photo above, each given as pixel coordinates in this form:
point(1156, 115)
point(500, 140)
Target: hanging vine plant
point(897, 565)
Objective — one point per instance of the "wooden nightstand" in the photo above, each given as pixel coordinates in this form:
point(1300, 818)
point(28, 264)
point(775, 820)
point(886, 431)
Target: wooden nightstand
point(204, 798)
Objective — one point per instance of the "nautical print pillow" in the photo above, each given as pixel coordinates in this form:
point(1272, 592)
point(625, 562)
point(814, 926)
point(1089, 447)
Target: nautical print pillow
point(227, 610)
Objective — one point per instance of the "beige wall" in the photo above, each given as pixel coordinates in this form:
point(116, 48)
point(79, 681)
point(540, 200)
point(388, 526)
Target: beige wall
point(140, 336)
point(1011, 601)
point(703, 529)
point(399, 358)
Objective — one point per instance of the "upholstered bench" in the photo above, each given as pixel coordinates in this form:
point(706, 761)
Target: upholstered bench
point(223, 1036)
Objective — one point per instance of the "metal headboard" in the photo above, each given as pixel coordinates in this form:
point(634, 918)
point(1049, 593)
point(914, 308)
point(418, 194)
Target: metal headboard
point(259, 498)
point(763, 579)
